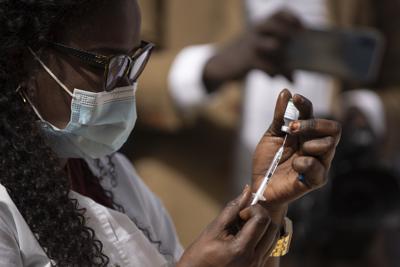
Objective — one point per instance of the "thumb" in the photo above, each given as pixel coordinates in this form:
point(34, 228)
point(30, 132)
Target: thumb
point(280, 108)
point(232, 209)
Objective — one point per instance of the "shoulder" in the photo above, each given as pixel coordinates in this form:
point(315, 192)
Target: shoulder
point(143, 206)
point(18, 245)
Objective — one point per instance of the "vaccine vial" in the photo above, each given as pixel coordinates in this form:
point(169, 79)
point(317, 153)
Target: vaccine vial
point(291, 114)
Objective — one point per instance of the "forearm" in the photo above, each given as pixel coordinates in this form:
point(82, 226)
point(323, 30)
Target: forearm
point(277, 216)
point(223, 67)
point(276, 213)
point(215, 74)
point(273, 262)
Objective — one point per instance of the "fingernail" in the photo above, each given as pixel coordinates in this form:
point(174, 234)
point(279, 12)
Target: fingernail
point(244, 195)
point(246, 188)
point(294, 126)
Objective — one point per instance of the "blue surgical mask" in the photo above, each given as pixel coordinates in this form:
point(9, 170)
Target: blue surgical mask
point(99, 125)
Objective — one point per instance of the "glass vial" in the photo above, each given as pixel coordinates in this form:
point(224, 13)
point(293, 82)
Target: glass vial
point(291, 114)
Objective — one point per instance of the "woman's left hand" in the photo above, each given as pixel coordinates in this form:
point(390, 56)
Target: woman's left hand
point(307, 157)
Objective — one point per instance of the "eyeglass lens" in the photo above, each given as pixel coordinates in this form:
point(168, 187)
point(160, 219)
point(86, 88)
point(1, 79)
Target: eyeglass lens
point(118, 66)
point(138, 66)
point(116, 70)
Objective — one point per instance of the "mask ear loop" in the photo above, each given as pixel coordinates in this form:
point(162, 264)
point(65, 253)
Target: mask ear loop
point(25, 98)
point(50, 72)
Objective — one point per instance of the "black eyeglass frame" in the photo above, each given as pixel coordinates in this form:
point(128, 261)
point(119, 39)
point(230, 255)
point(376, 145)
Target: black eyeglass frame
point(102, 61)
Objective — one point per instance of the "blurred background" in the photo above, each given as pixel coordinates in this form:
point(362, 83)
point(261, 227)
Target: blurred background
point(208, 95)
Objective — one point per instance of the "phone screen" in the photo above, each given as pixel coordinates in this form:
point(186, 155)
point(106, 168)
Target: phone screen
point(353, 55)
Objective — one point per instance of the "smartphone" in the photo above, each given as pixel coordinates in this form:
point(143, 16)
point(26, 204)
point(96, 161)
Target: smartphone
point(351, 55)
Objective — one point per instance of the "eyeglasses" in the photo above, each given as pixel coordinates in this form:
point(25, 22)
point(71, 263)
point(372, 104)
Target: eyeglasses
point(116, 67)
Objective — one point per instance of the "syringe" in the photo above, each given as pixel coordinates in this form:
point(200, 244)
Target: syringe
point(271, 170)
point(291, 114)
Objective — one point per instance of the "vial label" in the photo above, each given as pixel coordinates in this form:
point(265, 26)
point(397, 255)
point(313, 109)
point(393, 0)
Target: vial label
point(291, 114)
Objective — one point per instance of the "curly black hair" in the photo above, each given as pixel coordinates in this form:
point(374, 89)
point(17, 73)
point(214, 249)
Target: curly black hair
point(30, 171)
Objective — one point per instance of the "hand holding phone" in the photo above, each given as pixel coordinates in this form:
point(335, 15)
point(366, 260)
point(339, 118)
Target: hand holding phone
point(350, 54)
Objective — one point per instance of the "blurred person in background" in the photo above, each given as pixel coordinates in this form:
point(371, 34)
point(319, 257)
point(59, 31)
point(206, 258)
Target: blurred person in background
point(354, 222)
point(369, 156)
point(371, 111)
point(358, 213)
point(224, 89)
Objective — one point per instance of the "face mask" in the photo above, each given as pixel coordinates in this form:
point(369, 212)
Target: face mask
point(99, 125)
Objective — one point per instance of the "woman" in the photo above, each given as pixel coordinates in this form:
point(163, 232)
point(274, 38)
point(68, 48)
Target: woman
point(68, 80)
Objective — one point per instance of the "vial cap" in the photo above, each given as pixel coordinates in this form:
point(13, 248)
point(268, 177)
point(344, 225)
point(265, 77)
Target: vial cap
point(285, 129)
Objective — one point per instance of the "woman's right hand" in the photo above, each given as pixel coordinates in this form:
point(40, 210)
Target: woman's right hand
point(220, 245)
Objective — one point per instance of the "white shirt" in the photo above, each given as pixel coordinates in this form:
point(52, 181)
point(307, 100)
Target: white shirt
point(143, 237)
point(313, 13)
point(261, 91)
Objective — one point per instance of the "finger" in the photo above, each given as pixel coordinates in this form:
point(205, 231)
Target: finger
point(278, 30)
point(269, 49)
point(254, 228)
point(232, 209)
point(245, 214)
point(318, 147)
point(266, 66)
point(269, 63)
point(286, 16)
point(304, 106)
point(280, 108)
point(268, 46)
point(316, 128)
point(312, 173)
point(323, 148)
point(281, 24)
